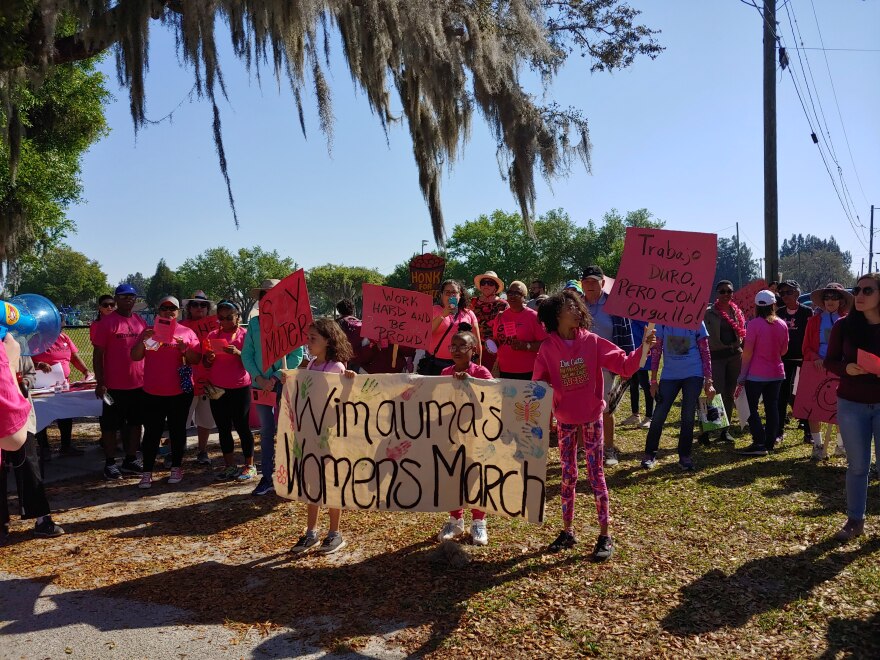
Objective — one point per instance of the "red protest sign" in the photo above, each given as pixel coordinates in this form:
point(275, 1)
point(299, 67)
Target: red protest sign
point(285, 315)
point(202, 326)
point(868, 361)
point(745, 298)
point(396, 316)
point(664, 277)
point(426, 273)
point(816, 397)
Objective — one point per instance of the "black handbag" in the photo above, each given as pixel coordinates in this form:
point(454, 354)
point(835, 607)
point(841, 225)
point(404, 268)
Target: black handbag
point(430, 365)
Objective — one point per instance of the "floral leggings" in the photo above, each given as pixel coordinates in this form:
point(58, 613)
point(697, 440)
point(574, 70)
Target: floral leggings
point(592, 439)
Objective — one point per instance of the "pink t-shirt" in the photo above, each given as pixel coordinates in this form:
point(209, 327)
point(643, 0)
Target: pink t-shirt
point(524, 326)
point(474, 370)
point(160, 366)
point(327, 367)
point(59, 353)
point(464, 316)
point(768, 342)
point(228, 370)
point(202, 328)
point(116, 335)
point(14, 408)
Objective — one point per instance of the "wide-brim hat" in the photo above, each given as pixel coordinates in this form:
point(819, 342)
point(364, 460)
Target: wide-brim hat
point(198, 296)
point(489, 275)
point(832, 287)
point(265, 285)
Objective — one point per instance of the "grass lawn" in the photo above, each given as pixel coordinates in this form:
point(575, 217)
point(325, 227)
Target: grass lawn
point(732, 560)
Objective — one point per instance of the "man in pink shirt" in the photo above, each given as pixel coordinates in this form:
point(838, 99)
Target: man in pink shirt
point(120, 380)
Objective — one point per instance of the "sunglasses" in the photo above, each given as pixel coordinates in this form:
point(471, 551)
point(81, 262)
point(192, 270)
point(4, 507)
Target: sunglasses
point(725, 292)
point(165, 308)
point(832, 296)
point(867, 290)
point(199, 304)
point(787, 292)
point(488, 283)
point(108, 304)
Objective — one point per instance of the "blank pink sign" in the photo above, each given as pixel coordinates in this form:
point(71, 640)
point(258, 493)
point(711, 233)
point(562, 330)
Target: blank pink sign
point(163, 329)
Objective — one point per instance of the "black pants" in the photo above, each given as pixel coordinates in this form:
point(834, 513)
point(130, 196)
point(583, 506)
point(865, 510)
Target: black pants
point(25, 463)
point(764, 434)
point(642, 380)
point(525, 375)
point(158, 410)
point(232, 410)
point(791, 367)
point(65, 426)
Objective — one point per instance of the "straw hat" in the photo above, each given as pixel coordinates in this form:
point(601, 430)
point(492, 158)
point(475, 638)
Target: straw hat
point(832, 287)
point(198, 296)
point(489, 275)
point(264, 286)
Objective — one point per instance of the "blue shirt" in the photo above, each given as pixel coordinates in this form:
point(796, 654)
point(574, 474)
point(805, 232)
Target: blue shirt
point(603, 325)
point(638, 330)
point(825, 325)
point(681, 356)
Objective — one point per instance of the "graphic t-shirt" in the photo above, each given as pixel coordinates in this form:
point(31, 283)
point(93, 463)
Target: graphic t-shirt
point(486, 311)
point(796, 322)
point(681, 356)
point(116, 335)
point(161, 377)
point(522, 326)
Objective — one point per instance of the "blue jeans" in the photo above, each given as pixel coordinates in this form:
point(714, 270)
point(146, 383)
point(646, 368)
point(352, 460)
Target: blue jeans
point(690, 389)
point(764, 434)
point(267, 415)
point(858, 422)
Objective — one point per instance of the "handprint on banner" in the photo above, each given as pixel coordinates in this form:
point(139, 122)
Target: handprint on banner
point(281, 474)
point(529, 412)
point(509, 391)
point(535, 391)
point(396, 452)
point(369, 389)
point(304, 387)
point(529, 447)
point(509, 437)
point(407, 393)
point(485, 453)
point(324, 440)
point(288, 407)
point(297, 449)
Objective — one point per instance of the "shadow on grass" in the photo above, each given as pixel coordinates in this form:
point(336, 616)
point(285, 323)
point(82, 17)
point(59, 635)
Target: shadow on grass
point(324, 603)
point(853, 638)
point(717, 600)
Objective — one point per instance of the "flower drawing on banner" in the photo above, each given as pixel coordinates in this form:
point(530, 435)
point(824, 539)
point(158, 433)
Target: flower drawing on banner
point(281, 474)
point(369, 388)
point(406, 395)
point(396, 452)
point(528, 411)
point(535, 391)
point(304, 387)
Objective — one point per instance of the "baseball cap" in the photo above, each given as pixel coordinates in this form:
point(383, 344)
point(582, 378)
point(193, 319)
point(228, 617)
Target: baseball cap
point(765, 298)
point(792, 284)
point(593, 272)
point(573, 284)
point(125, 290)
point(169, 299)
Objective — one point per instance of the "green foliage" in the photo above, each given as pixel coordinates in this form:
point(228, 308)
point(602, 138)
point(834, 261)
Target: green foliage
point(749, 268)
point(222, 274)
point(798, 243)
point(60, 116)
point(399, 277)
point(561, 249)
point(138, 281)
point(814, 269)
point(163, 283)
point(331, 283)
point(66, 277)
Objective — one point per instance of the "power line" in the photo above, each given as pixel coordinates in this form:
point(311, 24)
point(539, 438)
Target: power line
point(849, 50)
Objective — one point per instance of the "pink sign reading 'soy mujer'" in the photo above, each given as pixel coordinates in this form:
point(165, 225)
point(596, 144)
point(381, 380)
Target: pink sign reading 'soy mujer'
point(664, 277)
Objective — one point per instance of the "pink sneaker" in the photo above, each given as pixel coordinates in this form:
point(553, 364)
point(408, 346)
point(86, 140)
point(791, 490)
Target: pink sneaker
point(146, 480)
point(176, 475)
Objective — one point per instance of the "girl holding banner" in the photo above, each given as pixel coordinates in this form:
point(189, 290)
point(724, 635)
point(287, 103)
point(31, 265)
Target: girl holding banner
point(833, 303)
point(330, 351)
point(571, 359)
point(852, 354)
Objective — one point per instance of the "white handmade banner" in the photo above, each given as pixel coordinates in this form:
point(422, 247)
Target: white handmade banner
point(402, 442)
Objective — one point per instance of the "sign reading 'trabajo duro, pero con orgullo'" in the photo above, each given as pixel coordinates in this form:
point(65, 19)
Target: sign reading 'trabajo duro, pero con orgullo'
point(402, 442)
point(664, 277)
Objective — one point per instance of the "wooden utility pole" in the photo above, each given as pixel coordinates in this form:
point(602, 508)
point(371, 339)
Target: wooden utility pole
point(871, 243)
point(771, 200)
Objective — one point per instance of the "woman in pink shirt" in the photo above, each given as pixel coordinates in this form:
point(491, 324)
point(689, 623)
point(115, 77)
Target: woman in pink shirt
point(222, 358)
point(571, 360)
point(168, 390)
point(518, 334)
point(451, 312)
point(762, 372)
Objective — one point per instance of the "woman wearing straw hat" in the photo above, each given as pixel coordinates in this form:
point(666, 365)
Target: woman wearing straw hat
point(486, 307)
point(833, 302)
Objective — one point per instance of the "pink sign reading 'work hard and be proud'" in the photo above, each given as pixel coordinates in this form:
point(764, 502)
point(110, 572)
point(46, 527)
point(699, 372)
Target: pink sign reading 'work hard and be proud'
point(664, 277)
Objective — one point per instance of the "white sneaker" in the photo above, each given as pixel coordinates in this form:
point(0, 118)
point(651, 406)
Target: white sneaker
point(479, 534)
point(452, 529)
point(646, 423)
point(839, 451)
point(632, 420)
point(819, 453)
point(611, 457)
point(176, 475)
point(146, 480)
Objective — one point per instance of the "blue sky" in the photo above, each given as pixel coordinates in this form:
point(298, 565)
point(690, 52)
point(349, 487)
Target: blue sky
point(680, 136)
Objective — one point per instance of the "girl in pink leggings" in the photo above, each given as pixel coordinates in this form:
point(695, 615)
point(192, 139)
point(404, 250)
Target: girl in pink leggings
point(571, 360)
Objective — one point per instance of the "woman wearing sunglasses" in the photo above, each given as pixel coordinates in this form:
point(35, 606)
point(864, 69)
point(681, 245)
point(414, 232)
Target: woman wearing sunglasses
point(832, 304)
point(487, 306)
point(726, 326)
point(858, 395)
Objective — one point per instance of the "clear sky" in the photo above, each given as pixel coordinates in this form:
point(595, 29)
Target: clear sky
point(680, 136)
